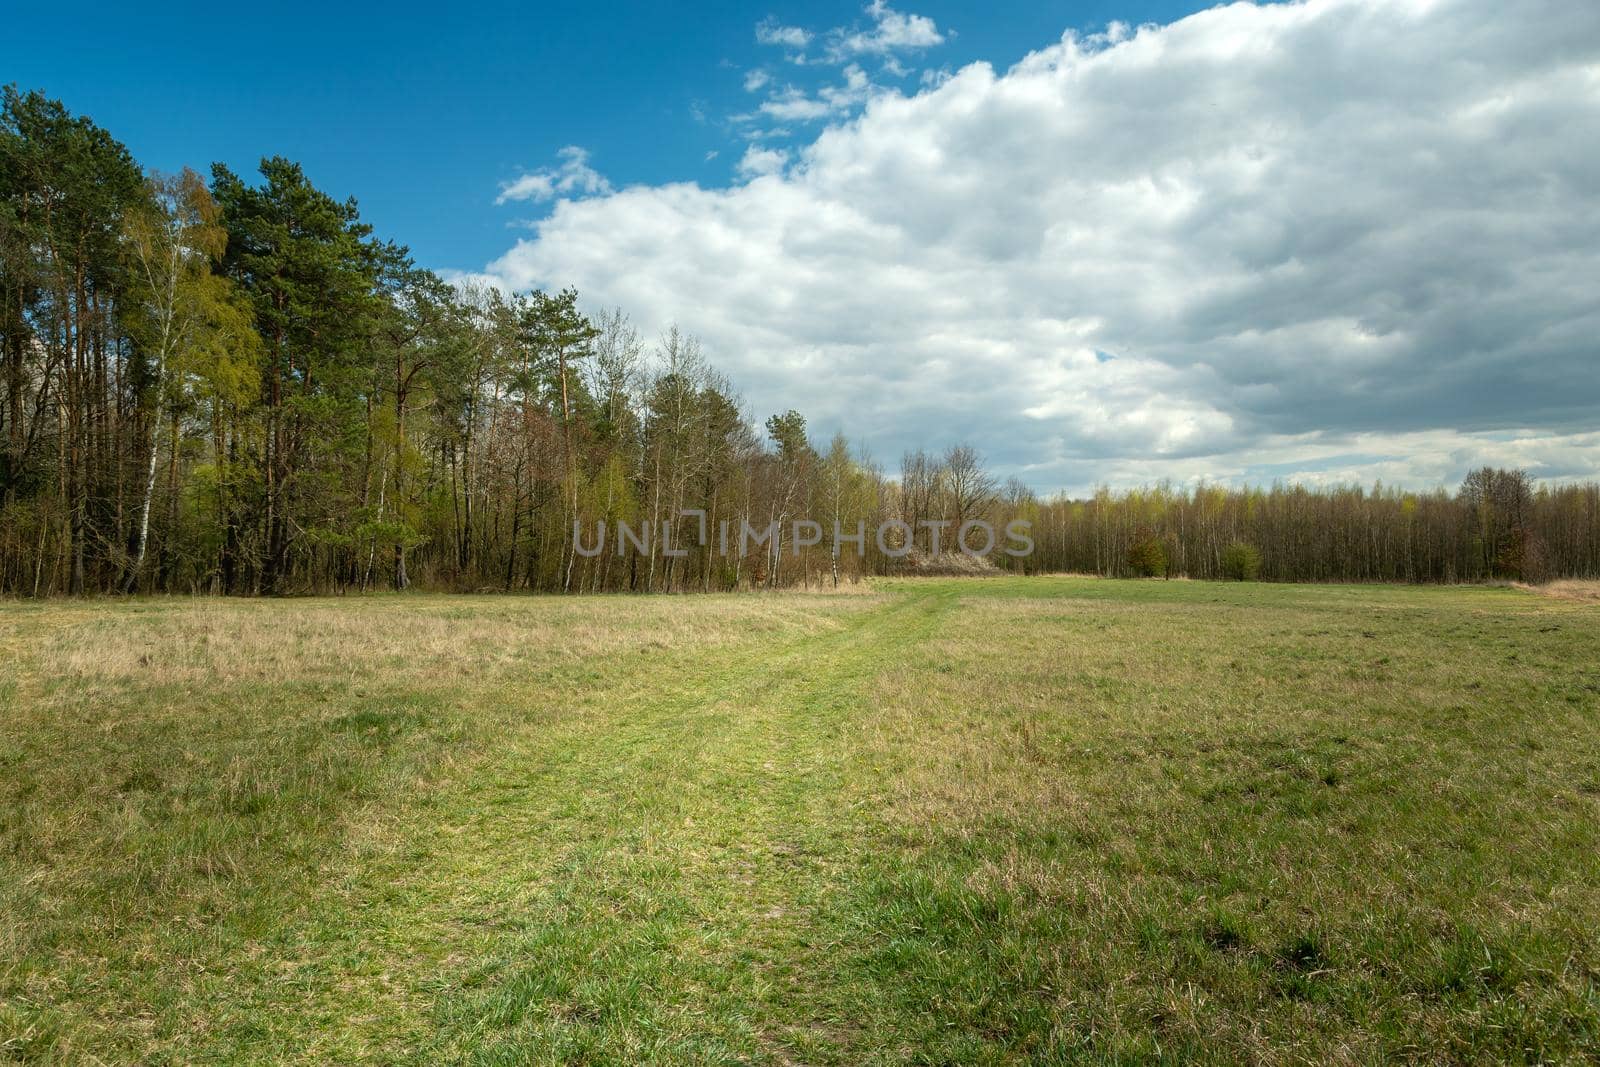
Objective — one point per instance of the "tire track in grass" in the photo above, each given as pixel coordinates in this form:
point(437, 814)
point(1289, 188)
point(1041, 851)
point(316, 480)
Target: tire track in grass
point(683, 851)
point(642, 881)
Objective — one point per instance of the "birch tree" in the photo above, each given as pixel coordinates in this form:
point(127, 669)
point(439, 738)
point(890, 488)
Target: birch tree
point(185, 317)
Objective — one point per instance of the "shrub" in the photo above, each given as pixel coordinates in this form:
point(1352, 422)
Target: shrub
point(1147, 558)
point(951, 565)
point(1241, 562)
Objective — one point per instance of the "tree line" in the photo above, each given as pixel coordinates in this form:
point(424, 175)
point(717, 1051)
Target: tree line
point(1497, 525)
point(231, 385)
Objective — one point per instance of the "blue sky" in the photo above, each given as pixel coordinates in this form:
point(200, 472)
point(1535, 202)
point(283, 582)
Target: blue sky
point(421, 112)
point(1325, 240)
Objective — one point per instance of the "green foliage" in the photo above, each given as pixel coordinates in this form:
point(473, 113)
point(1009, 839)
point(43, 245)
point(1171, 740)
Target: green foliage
point(1241, 562)
point(66, 189)
point(1147, 557)
point(788, 432)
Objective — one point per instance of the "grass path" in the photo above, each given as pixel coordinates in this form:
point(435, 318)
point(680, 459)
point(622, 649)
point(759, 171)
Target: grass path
point(650, 882)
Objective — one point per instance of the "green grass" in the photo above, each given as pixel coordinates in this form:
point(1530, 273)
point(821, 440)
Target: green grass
point(1042, 820)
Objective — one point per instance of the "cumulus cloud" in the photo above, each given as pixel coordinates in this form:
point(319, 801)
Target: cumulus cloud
point(890, 34)
point(771, 31)
point(758, 162)
point(572, 176)
point(795, 105)
point(891, 31)
point(1339, 238)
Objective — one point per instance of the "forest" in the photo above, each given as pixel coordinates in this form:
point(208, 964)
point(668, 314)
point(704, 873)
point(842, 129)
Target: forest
point(232, 385)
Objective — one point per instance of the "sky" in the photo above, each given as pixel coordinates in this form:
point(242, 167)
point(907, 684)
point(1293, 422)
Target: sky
point(1105, 242)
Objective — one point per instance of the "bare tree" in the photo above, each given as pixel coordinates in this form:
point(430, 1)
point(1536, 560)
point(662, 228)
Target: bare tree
point(921, 481)
point(969, 487)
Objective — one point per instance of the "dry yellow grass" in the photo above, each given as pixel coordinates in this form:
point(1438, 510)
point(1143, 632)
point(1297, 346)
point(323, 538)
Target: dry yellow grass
point(1570, 589)
point(429, 641)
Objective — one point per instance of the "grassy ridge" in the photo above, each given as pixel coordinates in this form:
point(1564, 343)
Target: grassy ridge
point(952, 822)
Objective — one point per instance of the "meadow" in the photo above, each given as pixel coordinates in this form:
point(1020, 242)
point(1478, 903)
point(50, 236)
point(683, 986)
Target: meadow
point(957, 821)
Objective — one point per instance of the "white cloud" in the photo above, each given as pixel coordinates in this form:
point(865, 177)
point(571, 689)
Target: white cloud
point(770, 31)
point(573, 176)
point(794, 105)
point(891, 31)
point(1333, 238)
point(758, 162)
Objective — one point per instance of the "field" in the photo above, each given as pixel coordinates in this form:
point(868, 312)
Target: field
point(1013, 820)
